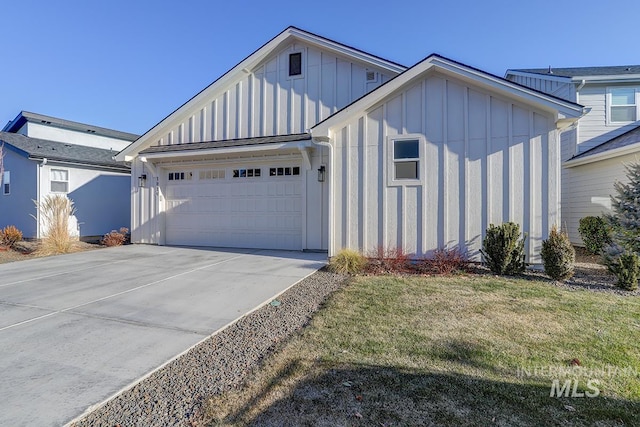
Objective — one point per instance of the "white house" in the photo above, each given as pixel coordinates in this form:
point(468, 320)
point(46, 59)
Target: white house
point(310, 144)
point(45, 155)
point(595, 150)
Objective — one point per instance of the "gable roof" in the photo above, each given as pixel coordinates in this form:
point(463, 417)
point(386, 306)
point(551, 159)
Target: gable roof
point(584, 73)
point(251, 61)
point(627, 143)
point(25, 116)
point(37, 149)
point(568, 112)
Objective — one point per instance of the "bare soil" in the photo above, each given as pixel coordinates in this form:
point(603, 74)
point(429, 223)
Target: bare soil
point(29, 249)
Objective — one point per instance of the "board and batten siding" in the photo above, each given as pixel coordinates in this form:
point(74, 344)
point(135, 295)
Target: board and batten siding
point(591, 190)
point(484, 160)
point(266, 101)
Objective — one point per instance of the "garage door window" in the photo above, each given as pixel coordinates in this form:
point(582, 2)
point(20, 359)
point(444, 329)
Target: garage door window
point(180, 176)
point(284, 171)
point(246, 173)
point(212, 174)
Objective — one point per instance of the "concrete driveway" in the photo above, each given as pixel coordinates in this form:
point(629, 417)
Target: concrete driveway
point(77, 329)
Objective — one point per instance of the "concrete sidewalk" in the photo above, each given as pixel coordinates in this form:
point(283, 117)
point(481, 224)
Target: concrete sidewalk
point(76, 329)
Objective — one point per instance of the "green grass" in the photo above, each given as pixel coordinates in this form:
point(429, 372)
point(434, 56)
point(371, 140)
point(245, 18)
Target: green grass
point(449, 351)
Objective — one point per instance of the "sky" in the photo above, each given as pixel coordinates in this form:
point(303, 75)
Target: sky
point(126, 65)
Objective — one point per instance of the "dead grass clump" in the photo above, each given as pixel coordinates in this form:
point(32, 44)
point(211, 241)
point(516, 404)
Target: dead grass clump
point(347, 261)
point(55, 211)
point(10, 235)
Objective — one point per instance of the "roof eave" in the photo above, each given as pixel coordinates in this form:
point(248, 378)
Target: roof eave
point(604, 155)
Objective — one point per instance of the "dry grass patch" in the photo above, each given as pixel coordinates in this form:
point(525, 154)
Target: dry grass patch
point(446, 351)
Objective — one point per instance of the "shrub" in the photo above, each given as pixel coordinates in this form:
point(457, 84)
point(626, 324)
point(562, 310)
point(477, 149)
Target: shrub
point(10, 236)
point(55, 211)
point(347, 261)
point(594, 232)
point(626, 270)
point(115, 238)
point(446, 261)
point(503, 250)
point(383, 260)
point(558, 255)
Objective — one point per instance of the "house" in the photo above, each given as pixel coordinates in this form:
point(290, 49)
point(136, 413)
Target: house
point(45, 155)
point(595, 151)
point(309, 144)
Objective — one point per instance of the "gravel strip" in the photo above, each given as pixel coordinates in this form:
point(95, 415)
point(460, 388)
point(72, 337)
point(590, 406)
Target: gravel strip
point(173, 395)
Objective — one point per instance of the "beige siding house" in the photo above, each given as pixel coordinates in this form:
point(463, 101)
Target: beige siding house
point(595, 150)
point(309, 144)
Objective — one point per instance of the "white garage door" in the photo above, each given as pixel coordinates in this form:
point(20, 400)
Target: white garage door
point(239, 207)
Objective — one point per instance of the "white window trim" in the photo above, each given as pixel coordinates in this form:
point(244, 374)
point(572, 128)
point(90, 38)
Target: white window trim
point(303, 63)
point(390, 161)
point(51, 181)
point(6, 179)
point(609, 104)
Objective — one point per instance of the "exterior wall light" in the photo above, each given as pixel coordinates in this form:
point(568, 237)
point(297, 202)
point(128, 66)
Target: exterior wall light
point(142, 179)
point(321, 173)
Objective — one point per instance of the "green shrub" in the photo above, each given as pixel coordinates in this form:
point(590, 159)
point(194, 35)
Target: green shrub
point(503, 250)
point(626, 270)
point(558, 255)
point(594, 232)
point(347, 261)
point(10, 235)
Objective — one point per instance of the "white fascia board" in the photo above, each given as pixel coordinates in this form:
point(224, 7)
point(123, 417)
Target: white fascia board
point(622, 78)
point(244, 67)
point(609, 154)
point(299, 145)
point(551, 77)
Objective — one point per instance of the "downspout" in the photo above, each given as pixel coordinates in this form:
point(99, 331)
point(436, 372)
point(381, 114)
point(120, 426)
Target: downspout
point(324, 141)
point(38, 194)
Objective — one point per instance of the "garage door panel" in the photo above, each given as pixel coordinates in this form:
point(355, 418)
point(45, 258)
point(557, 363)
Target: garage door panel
point(251, 212)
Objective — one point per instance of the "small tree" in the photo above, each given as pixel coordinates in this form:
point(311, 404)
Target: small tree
point(625, 218)
point(558, 255)
point(503, 250)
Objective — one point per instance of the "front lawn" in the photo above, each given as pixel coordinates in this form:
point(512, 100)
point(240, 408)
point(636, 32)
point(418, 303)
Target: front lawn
point(454, 351)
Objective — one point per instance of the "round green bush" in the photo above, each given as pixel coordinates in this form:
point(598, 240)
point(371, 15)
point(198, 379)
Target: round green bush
point(558, 255)
point(594, 232)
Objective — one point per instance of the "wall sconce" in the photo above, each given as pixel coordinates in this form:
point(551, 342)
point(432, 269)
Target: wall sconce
point(321, 172)
point(142, 179)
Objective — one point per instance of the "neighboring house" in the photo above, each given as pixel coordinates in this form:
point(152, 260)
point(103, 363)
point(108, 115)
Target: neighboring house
point(45, 155)
point(595, 151)
point(309, 144)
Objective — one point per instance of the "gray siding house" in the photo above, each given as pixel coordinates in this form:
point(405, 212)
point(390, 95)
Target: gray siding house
point(44, 155)
point(596, 149)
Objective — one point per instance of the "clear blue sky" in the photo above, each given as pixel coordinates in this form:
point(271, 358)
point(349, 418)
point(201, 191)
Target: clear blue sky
point(127, 64)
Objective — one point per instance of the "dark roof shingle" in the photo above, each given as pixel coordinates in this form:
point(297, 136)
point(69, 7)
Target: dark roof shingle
point(227, 143)
point(619, 70)
point(60, 151)
point(628, 138)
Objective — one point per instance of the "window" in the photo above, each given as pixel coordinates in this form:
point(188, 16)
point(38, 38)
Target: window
point(295, 64)
point(59, 181)
point(284, 171)
point(246, 173)
point(212, 174)
point(6, 181)
point(180, 176)
point(406, 158)
point(622, 105)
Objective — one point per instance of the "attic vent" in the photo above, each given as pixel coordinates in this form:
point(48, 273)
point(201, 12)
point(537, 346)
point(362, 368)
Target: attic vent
point(372, 76)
